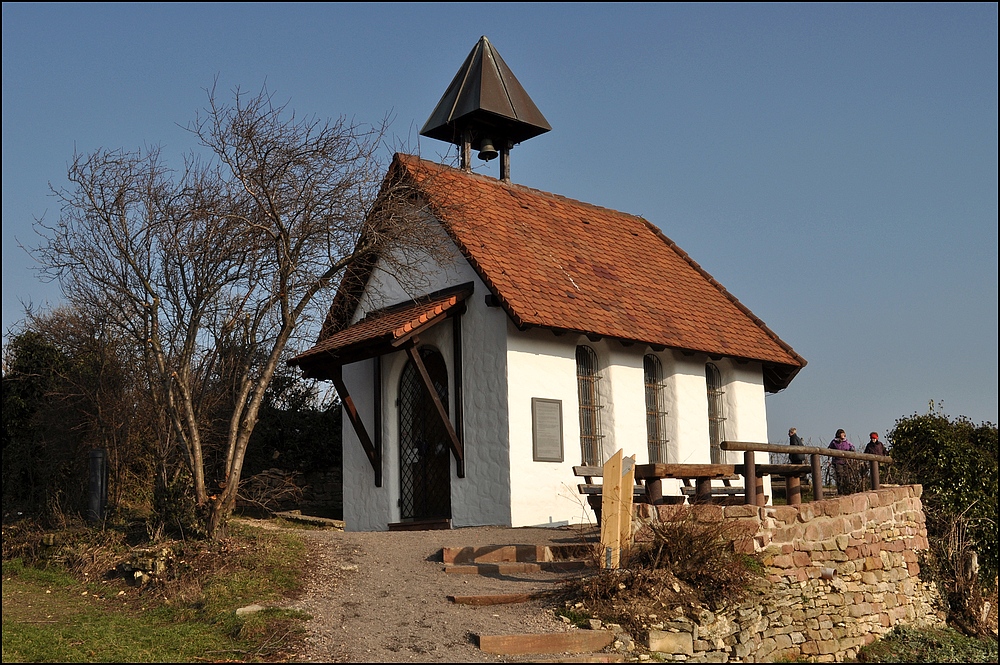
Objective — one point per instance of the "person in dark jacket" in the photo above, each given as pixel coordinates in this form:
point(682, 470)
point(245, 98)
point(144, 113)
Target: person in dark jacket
point(795, 440)
point(874, 447)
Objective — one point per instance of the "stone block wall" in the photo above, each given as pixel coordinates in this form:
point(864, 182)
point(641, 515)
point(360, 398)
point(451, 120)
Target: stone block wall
point(838, 574)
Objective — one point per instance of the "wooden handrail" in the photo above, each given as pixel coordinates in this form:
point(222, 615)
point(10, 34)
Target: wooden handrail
point(750, 475)
point(803, 450)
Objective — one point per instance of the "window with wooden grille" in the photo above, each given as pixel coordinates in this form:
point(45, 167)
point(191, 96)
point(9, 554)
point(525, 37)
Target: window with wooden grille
point(588, 389)
point(716, 412)
point(656, 414)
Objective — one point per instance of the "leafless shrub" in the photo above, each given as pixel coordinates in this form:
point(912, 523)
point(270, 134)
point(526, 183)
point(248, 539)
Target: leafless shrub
point(684, 565)
point(271, 490)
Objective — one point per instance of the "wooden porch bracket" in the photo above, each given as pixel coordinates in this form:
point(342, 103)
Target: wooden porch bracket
point(374, 454)
point(456, 330)
point(457, 449)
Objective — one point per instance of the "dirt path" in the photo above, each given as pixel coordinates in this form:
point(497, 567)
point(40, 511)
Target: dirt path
point(382, 597)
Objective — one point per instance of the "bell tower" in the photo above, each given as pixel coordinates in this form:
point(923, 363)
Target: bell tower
point(486, 109)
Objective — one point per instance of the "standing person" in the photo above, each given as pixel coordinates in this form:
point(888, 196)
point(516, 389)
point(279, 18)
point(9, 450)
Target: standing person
point(795, 440)
point(874, 447)
point(841, 467)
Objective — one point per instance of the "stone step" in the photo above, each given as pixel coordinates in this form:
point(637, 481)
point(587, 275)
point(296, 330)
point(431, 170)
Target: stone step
point(576, 642)
point(515, 567)
point(599, 657)
point(499, 598)
point(515, 553)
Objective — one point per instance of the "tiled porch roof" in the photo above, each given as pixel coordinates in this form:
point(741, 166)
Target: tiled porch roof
point(381, 331)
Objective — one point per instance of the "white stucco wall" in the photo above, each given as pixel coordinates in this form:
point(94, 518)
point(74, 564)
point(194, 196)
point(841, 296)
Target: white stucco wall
point(688, 407)
point(539, 364)
point(483, 496)
point(543, 365)
point(364, 504)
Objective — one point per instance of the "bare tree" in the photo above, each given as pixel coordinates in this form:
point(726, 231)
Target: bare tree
point(212, 268)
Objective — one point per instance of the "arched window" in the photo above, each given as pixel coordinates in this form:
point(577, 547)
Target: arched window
point(588, 390)
point(656, 414)
point(716, 411)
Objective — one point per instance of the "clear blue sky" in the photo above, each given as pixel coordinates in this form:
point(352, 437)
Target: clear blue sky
point(834, 166)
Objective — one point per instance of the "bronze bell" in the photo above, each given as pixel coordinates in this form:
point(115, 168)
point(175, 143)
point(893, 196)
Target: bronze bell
point(487, 151)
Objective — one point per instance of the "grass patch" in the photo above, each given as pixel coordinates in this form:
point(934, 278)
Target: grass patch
point(187, 614)
point(907, 645)
point(575, 616)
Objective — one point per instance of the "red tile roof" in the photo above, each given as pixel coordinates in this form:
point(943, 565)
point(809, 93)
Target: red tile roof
point(559, 263)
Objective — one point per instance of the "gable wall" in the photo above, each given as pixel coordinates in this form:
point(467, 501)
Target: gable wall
point(483, 496)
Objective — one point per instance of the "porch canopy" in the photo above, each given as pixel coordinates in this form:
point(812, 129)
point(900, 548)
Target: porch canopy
point(384, 331)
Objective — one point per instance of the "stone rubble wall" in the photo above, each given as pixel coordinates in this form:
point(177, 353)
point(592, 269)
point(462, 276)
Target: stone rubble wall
point(839, 573)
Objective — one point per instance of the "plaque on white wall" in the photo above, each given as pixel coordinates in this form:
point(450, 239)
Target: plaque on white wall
point(546, 429)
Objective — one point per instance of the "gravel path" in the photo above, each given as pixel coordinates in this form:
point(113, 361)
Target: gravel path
point(382, 597)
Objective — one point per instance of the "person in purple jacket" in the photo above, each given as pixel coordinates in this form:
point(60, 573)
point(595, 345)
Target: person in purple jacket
point(841, 467)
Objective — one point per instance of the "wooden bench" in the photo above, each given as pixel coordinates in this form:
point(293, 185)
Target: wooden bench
point(651, 491)
point(727, 495)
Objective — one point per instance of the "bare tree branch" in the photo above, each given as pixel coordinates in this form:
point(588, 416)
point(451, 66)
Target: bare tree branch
point(213, 268)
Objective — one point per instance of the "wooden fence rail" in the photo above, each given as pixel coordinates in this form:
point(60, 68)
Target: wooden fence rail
point(750, 471)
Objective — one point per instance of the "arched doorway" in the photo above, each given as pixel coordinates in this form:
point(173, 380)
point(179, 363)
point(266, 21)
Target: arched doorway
point(424, 469)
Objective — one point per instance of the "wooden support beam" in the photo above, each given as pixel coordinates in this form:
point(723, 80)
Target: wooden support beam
point(456, 329)
point(793, 490)
point(374, 454)
point(817, 477)
point(505, 163)
point(456, 445)
point(377, 406)
point(750, 478)
point(703, 490)
point(466, 151)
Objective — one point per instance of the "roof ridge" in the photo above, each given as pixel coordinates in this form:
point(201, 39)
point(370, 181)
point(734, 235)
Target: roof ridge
point(526, 188)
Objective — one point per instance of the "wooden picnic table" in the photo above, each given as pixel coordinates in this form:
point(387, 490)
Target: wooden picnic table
point(652, 476)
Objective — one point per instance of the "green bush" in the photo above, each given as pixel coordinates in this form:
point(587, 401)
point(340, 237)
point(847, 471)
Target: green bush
point(956, 462)
point(907, 645)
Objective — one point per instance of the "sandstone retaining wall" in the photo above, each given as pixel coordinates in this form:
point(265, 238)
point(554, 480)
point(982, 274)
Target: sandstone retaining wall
point(839, 573)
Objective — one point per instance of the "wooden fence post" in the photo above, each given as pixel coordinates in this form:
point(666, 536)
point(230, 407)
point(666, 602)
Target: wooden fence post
point(817, 474)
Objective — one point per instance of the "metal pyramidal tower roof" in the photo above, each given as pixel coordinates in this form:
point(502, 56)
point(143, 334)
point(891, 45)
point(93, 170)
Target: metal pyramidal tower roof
point(486, 100)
